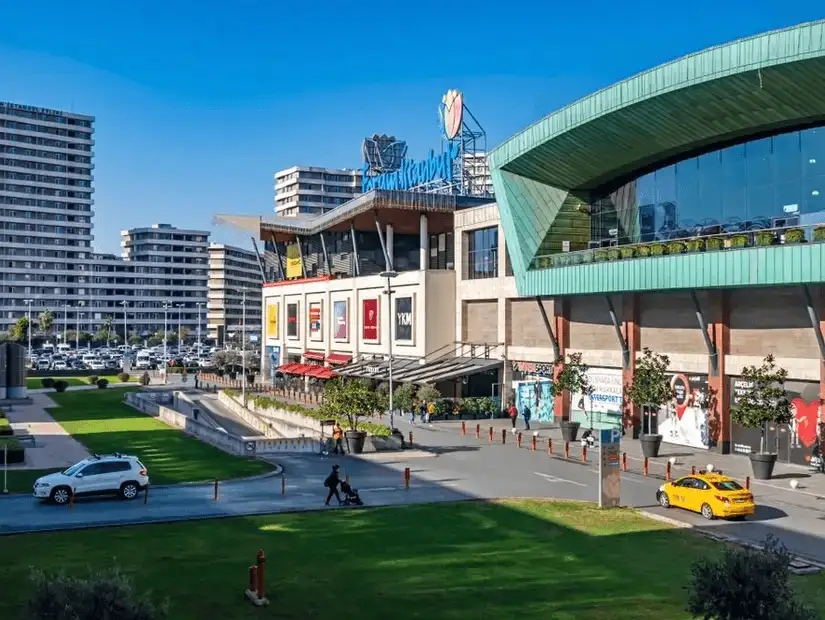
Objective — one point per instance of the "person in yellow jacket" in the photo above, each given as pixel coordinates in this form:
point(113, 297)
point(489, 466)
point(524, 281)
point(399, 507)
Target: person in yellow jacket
point(430, 411)
point(338, 436)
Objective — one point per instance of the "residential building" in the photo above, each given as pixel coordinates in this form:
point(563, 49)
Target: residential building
point(477, 179)
point(313, 191)
point(234, 276)
point(45, 209)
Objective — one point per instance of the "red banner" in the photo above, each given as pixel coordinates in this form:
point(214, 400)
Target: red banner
point(370, 319)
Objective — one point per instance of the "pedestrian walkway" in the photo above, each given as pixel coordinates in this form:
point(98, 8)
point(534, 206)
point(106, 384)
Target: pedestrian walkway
point(81, 388)
point(53, 446)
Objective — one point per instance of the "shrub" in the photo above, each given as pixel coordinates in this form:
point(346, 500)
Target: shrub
point(657, 249)
point(627, 252)
point(60, 386)
point(746, 583)
point(469, 406)
point(587, 257)
point(739, 241)
point(47, 382)
point(714, 243)
point(675, 247)
point(92, 379)
point(695, 245)
point(794, 235)
point(613, 254)
point(560, 260)
point(17, 453)
point(765, 237)
point(102, 384)
point(575, 259)
point(443, 406)
point(58, 596)
point(124, 377)
point(5, 427)
point(600, 256)
point(643, 250)
point(819, 233)
point(543, 262)
point(145, 379)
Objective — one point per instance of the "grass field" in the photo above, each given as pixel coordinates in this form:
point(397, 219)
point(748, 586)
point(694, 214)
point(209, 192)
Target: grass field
point(492, 561)
point(100, 421)
point(36, 383)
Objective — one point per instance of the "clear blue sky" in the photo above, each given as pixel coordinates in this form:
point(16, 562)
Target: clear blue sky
point(199, 102)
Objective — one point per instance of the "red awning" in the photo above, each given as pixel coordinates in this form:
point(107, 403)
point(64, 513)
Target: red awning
point(291, 369)
point(339, 358)
point(321, 372)
point(314, 355)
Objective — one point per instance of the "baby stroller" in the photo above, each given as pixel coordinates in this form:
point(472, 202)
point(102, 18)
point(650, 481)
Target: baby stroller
point(351, 497)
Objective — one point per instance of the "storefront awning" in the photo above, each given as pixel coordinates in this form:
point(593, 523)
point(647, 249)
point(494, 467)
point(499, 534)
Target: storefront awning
point(339, 358)
point(321, 372)
point(414, 371)
point(314, 355)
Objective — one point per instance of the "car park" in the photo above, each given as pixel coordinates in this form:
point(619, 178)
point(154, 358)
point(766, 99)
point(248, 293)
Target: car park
point(105, 474)
point(710, 494)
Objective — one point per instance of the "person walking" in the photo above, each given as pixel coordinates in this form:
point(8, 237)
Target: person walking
point(430, 411)
point(332, 482)
point(337, 437)
point(422, 411)
point(513, 414)
point(526, 414)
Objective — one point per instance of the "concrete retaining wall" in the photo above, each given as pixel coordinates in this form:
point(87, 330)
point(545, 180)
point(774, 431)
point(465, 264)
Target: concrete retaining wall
point(285, 423)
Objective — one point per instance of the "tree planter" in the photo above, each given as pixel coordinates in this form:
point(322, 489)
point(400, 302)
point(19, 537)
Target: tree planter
point(355, 441)
point(762, 465)
point(569, 430)
point(650, 445)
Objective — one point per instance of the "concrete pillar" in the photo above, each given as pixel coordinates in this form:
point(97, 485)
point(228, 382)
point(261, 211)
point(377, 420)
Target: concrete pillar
point(822, 365)
point(719, 385)
point(423, 243)
point(388, 239)
point(632, 333)
point(561, 327)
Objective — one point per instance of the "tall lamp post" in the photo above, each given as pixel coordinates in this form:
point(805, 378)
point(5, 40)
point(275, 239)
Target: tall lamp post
point(125, 304)
point(199, 305)
point(166, 305)
point(180, 330)
point(243, 346)
point(29, 303)
point(65, 320)
point(389, 275)
point(77, 327)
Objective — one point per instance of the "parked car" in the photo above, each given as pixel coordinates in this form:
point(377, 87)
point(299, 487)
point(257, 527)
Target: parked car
point(711, 495)
point(100, 474)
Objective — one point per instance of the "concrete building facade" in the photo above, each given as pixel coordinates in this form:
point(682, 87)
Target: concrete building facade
point(234, 275)
point(311, 190)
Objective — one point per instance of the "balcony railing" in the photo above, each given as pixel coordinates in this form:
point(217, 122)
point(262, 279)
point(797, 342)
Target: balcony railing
point(689, 245)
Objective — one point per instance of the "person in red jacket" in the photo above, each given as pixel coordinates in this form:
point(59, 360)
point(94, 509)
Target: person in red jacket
point(513, 414)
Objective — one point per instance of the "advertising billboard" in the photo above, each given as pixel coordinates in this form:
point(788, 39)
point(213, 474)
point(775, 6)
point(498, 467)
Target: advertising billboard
point(340, 320)
point(369, 318)
point(535, 395)
point(684, 421)
point(292, 320)
point(792, 442)
point(602, 408)
point(294, 264)
point(316, 323)
point(272, 321)
point(404, 319)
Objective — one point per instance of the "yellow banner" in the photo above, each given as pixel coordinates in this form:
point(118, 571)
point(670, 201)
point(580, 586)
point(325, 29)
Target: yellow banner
point(294, 267)
point(272, 321)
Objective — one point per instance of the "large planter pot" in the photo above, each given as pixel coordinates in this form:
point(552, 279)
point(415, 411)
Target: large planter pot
point(355, 441)
point(569, 430)
point(650, 445)
point(762, 465)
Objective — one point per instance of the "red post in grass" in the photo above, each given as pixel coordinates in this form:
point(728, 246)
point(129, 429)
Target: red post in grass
point(567, 449)
point(463, 428)
point(261, 560)
point(584, 454)
point(644, 467)
point(549, 447)
point(478, 431)
point(534, 443)
point(667, 472)
point(253, 578)
point(518, 440)
point(503, 435)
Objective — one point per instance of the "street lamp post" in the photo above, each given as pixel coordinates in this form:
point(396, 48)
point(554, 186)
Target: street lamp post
point(77, 327)
point(199, 305)
point(125, 303)
point(65, 321)
point(29, 303)
point(180, 330)
point(243, 347)
point(389, 275)
point(165, 329)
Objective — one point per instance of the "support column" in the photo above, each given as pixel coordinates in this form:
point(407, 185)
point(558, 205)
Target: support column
point(390, 250)
point(423, 243)
point(561, 320)
point(632, 333)
point(718, 383)
point(822, 365)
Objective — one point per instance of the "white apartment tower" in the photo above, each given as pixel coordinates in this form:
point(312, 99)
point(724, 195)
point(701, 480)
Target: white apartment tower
point(45, 210)
point(312, 191)
point(233, 273)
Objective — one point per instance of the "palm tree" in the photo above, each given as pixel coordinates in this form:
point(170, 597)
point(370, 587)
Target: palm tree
point(45, 321)
point(108, 322)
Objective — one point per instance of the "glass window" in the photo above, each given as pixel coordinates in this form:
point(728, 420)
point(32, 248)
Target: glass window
point(727, 485)
point(482, 253)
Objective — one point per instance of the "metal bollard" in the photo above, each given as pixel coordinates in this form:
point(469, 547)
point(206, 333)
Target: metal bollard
point(667, 472)
point(491, 434)
point(217, 492)
point(584, 454)
point(146, 494)
point(346, 478)
point(411, 443)
point(71, 500)
point(518, 440)
point(624, 461)
point(567, 449)
point(463, 428)
point(550, 447)
point(406, 477)
point(253, 578)
point(534, 443)
point(283, 484)
point(261, 560)
point(693, 470)
point(503, 435)
point(748, 483)
point(644, 467)
point(478, 431)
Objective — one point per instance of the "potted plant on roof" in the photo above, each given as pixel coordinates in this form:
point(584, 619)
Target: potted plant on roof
point(353, 400)
point(764, 403)
point(650, 390)
point(568, 377)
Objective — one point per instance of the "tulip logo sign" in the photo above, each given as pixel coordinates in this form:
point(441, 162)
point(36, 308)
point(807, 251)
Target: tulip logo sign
point(452, 113)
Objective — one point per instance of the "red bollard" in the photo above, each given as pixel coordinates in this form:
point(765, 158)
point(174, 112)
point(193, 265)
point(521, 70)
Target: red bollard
point(550, 447)
point(253, 578)
point(644, 469)
point(503, 435)
point(534, 443)
point(518, 440)
point(584, 454)
point(567, 449)
point(693, 470)
point(411, 439)
point(406, 477)
point(667, 472)
point(463, 428)
point(217, 493)
point(491, 434)
point(624, 461)
point(261, 561)
point(748, 483)
point(283, 484)
point(478, 431)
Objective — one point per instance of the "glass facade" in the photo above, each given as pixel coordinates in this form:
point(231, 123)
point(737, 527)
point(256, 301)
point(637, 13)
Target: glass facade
point(482, 253)
point(773, 182)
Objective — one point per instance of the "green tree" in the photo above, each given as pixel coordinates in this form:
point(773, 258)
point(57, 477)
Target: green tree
point(650, 386)
point(20, 330)
point(746, 584)
point(352, 399)
point(135, 339)
point(403, 397)
point(108, 324)
point(570, 376)
point(184, 334)
point(427, 393)
point(766, 400)
point(45, 322)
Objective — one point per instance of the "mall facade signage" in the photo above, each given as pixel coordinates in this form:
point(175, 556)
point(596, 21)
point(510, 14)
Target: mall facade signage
point(414, 173)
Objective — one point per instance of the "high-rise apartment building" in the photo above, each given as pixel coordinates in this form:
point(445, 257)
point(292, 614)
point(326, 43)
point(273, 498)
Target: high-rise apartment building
point(312, 191)
point(477, 178)
point(234, 274)
point(45, 209)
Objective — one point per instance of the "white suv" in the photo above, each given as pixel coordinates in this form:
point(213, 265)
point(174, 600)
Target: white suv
point(97, 475)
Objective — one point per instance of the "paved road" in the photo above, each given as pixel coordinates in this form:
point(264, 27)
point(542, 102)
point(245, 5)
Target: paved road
point(222, 416)
point(451, 467)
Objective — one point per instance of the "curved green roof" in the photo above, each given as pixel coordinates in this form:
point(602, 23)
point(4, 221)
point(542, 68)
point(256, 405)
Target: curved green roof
point(758, 85)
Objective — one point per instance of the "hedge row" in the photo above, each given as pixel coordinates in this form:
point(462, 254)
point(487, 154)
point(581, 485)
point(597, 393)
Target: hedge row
point(267, 402)
point(16, 451)
point(5, 427)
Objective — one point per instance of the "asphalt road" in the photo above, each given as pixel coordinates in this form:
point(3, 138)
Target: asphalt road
point(449, 468)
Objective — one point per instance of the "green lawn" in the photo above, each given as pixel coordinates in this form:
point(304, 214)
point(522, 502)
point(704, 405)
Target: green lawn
point(36, 383)
point(22, 480)
point(491, 561)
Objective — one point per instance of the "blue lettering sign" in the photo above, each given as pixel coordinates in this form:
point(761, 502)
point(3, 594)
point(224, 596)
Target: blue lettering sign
point(413, 173)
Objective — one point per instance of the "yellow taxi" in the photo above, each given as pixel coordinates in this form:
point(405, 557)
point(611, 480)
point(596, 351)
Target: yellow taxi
point(711, 495)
